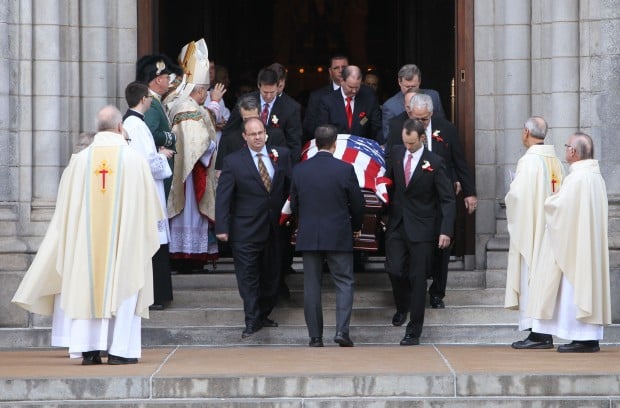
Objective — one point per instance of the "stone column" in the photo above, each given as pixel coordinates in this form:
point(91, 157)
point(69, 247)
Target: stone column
point(64, 60)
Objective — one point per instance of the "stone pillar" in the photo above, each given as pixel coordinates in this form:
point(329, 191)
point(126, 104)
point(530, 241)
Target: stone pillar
point(64, 60)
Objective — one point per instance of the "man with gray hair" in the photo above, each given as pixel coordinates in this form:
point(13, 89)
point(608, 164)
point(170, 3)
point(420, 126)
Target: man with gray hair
point(93, 269)
point(539, 174)
point(570, 293)
point(409, 77)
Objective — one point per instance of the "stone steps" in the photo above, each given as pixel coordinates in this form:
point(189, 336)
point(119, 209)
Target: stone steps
point(422, 376)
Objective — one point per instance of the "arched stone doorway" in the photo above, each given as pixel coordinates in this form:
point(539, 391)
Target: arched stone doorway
point(244, 35)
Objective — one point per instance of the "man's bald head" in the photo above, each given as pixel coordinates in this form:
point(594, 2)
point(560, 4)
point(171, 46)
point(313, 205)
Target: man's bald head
point(110, 119)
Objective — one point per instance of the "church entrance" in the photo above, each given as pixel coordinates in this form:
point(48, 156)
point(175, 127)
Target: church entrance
point(378, 36)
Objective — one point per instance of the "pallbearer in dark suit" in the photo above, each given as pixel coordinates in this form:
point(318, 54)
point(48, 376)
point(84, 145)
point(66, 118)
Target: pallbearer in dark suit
point(421, 218)
point(353, 108)
point(328, 202)
point(251, 191)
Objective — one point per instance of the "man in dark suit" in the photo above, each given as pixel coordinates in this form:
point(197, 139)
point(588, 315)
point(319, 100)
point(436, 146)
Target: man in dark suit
point(251, 191)
point(232, 138)
point(441, 138)
point(421, 217)
point(275, 112)
point(409, 77)
point(336, 65)
point(328, 203)
point(353, 108)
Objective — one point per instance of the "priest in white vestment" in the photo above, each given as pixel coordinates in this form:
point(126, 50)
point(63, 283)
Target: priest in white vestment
point(93, 269)
point(191, 204)
point(539, 174)
point(140, 139)
point(570, 294)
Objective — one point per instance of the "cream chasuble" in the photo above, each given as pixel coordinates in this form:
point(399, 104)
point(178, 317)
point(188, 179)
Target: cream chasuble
point(539, 174)
point(98, 247)
point(575, 246)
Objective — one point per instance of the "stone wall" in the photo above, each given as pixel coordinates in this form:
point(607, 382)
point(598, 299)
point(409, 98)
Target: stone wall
point(61, 61)
point(559, 59)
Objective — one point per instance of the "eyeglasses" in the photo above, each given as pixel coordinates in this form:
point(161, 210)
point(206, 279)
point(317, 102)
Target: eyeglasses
point(569, 146)
point(128, 140)
point(148, 96)
point(426, 119)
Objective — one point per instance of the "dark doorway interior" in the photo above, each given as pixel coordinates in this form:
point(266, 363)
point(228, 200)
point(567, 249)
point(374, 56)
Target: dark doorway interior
point(379, 35)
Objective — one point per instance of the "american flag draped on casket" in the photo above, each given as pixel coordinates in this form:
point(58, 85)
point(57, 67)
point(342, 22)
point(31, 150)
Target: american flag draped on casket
point(366, 156)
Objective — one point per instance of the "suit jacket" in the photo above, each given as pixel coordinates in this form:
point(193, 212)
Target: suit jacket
point(396, 105)
point(329, 205)
point(284, 115)
point(244, 209)
point(312, 111)
point(426, 206)
point(232, 140)
point(366, 113)
point(446, 144)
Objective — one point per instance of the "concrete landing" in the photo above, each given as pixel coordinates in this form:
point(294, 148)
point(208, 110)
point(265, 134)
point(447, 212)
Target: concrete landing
point(301, 376)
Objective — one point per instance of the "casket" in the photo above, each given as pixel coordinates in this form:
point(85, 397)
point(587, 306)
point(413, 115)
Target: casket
point(366, 156)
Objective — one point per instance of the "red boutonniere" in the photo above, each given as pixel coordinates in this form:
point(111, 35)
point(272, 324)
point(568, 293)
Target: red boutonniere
point(426, 166)
point(436, 136)
point(274, 122)
point(362, 114)
point(273, 155)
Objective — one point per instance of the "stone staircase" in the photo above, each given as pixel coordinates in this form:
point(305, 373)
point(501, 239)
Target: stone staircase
point(194, 356)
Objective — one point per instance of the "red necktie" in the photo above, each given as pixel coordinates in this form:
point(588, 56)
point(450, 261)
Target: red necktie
point(408, 169)
point(265, 114)
point(347, 108)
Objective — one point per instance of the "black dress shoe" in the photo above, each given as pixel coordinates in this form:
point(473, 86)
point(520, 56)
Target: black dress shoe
point(529, 344)
point(267, 322)
point(91, 358)
point(118, 360)
point(157, 306)
point(316, 342)
point(399, 318)
point(580, 347)
point(410, 340)
point(343, 339)
point(437, 303)
point(250, 330)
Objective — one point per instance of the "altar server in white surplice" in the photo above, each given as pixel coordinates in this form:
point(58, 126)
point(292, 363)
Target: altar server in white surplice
point(93, 269)
point(539, 174)
point(570, 290)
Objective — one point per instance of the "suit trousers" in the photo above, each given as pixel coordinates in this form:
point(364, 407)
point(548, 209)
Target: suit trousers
point(341, 268)
point(440, 272)
point(162, 281)
point(408, 265)
point(257, 268)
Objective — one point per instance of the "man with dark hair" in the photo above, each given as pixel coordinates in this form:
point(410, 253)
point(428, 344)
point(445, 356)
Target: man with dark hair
point(336, 65)
point(353, 108)
point(139, 101)
point(275, 112)
point(421, 218)
point(570, 294)
point(328, 202)
point(251, 191)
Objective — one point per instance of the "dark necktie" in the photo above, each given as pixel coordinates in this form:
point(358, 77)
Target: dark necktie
point(408, 169)
point(347, 108)
point(262, 170)
point(265, 114)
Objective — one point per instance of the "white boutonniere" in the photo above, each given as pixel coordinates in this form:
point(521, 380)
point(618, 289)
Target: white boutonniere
point(274, 120)
point(426, 166)
point(273, 155)
point(437, 137)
